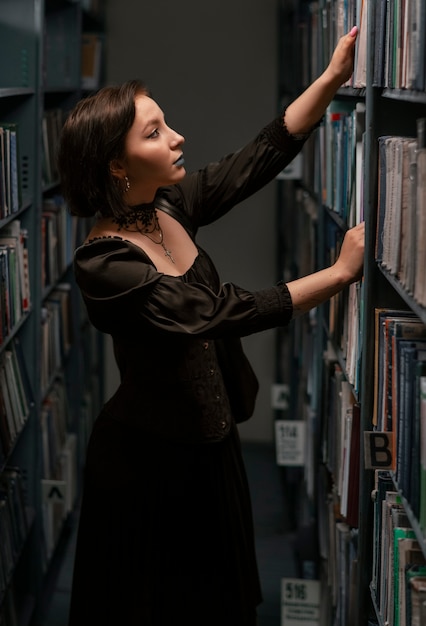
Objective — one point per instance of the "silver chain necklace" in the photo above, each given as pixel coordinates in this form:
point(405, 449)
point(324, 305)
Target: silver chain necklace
point(158, 228)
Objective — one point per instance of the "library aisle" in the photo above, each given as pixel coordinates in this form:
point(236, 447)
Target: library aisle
point(274, 544)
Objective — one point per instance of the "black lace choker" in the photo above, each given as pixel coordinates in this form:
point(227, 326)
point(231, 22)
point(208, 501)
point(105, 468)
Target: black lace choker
point(140, 213)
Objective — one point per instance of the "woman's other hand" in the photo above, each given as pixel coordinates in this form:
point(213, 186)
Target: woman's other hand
point(351, 258)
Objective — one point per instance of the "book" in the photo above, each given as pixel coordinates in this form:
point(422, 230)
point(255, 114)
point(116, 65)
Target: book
point(12, 485)
point(416, 596)
point(422, 422)
point(385, 321)
point(345, 554)
point(345, 460)
point(360, 70)
point(408, 261)
point(414, 465)
point(4, 293)
point(352, 511)
point(393, 221)
point(91, 60)
point(379, 48)
point(381, 195)
point(13, 426)
point(14, 395)
point(5, 433)
point(400, 234)
point(11, 283)
point(356, 181)
point(397, 327)
point(383, 483)
point(13, 169)
point(339, 155)
point(6, 545)
point(51, 128)
point(397, 520)
point(4, 192)
point(400, 533)
point(419, 285)
point(392, 501)
point(12, 245)
point(14, 233)
point(405, 355)
point(420, 63)
point(409, 553)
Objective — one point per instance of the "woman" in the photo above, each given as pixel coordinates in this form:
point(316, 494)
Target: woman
point(165, 533)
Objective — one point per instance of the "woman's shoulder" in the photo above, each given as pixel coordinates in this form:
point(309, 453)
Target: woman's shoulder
point(104, 249)
point(109, 265)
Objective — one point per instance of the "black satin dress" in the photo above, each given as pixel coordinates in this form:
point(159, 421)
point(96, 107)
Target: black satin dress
point(166, 531)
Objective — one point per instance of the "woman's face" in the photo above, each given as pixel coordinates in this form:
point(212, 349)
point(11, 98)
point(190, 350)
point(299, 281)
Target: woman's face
point(153, 151)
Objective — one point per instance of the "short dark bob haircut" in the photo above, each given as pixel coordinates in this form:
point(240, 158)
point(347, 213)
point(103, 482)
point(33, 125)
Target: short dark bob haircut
point(93, 136)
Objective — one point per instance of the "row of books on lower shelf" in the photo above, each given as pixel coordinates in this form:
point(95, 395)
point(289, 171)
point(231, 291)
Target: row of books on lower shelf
point(398, 576)
point(400, 412)
point(398, 580)
point(400, 400)
point(338, 547)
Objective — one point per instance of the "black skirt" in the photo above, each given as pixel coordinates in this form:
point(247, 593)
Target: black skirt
point(165, 533)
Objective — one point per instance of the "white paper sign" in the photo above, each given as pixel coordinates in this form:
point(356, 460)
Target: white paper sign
point(290, 442)
point(300, 602)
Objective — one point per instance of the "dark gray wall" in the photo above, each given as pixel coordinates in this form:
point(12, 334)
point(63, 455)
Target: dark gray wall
point(212, 67)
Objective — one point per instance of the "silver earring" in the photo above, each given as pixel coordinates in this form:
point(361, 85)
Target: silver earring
point(127, 185)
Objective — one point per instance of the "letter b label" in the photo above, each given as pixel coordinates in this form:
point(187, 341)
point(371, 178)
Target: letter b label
point(378, 450)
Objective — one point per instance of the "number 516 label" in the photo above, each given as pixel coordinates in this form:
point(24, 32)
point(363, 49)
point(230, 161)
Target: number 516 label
point(300, 602)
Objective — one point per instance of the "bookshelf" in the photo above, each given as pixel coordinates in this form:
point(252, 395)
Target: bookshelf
point(355, 367)
point(50, 358)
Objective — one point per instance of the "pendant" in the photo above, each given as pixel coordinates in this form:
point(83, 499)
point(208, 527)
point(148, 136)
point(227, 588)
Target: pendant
point(167, 253)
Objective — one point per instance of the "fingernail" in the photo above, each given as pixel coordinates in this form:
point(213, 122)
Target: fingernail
point(354, 31)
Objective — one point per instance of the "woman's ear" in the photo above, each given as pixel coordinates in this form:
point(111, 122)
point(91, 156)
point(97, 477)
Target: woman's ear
point(116, 169)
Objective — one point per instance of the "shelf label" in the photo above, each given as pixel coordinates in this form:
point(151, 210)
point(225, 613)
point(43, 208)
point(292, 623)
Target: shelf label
point(290, 442)
point(300, 602)
point(279, 396)
point(54, 490)
point(378, 447)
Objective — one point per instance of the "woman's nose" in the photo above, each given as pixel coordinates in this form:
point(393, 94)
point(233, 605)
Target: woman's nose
point(177, 139)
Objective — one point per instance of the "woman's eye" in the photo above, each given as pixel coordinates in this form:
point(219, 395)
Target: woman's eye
point(154, 134)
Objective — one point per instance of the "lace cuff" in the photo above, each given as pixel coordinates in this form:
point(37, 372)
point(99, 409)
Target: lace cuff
point(278, 135)
point(275, 305)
